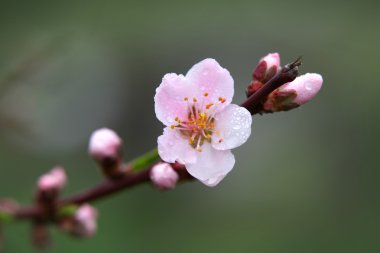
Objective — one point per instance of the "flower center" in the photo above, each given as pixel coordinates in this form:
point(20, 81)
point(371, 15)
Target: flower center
point(199, 125)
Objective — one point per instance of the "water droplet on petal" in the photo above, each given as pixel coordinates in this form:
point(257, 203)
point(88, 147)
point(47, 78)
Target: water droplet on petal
point(308, 86)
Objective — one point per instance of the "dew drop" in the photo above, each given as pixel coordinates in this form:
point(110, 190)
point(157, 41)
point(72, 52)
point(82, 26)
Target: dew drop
point(308, 86)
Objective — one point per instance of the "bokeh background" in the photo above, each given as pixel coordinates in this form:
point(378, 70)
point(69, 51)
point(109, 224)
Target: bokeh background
point(307, 180)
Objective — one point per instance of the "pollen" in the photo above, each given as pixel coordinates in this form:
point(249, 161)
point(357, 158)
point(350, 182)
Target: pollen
point(209, 105)
point(186, 99)
point(205, 94)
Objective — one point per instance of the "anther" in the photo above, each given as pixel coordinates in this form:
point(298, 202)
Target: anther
point(205, 94)
point(209, 105)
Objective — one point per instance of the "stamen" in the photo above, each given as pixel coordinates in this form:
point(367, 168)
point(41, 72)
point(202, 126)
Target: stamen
point(209, 105)
point(195, 100)
point(205, 94)
point(186, 99)
point(222, 99)
point(220, 140)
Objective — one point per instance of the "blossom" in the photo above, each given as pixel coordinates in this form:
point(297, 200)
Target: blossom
point(201, 123)
point(53, 180)
point(164, 176)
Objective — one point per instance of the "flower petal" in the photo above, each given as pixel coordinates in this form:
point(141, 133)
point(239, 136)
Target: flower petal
point(211, 165)
point(169, 98)
point(233, 127)
point(173, 147)
point(211, 78)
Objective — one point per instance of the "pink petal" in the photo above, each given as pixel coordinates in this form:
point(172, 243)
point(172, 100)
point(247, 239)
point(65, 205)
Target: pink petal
point(169, 98)
point(233, 126)
point(211, 78)
point(306, 87)
point(173, 147)
point(212, 165)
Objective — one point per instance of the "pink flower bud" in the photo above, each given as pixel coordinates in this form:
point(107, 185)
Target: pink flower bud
point(85, 220)
point(164, 176)
point(53, 180)
point(105, 144)
point(305, 86)
point(267, 67)
point(272, 60)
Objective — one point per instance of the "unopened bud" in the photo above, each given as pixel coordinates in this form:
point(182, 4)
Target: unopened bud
point(305, 86)
point(267, 67)
point(105, 147)
point(54, 180)
point(294, 94)
point(163, 176)
point(85, 221)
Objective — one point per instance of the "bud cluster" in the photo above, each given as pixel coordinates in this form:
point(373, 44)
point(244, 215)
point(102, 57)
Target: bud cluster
point(289, 95)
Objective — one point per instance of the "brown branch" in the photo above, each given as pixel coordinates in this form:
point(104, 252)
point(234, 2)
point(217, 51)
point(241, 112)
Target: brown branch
point(108, 187)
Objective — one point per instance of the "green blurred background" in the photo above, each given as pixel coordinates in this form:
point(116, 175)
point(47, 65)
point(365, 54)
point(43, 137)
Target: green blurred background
point(307, 180)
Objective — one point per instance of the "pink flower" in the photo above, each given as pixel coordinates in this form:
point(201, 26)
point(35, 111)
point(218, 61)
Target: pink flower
point(164, 176)
point(53, 180)
point(105, 144)
point(201, 123)
point(85, 218)
point(306, 87)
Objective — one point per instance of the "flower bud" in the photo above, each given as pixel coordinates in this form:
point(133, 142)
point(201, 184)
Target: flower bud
point(164, 176)
point(85, 221)
point(54, 180)
point(267, 68)
point(305, 86)
point(293, 94)
point(105, 147)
